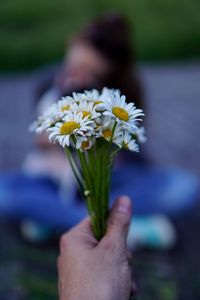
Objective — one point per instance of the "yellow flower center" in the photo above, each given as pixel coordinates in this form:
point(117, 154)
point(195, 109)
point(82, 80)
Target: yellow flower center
point(85, 145)
point(107, 133)
point(64, 107)
point(125, 146)
point(68, 127)
point(97, 102)
point(86, 114)
point(120, 113)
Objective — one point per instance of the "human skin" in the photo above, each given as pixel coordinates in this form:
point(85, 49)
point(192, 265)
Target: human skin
point(89, 269)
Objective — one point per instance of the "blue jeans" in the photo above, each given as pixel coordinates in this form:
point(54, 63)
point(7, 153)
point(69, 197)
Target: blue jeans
point(152, 190)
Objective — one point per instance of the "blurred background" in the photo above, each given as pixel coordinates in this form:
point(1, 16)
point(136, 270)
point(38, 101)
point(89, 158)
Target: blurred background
point(35, 38)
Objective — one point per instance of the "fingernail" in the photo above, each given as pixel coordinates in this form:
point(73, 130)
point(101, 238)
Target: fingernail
point(124, 204)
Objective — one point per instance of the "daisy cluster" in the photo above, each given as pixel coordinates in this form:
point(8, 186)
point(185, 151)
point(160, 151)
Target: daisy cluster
point(79, 120)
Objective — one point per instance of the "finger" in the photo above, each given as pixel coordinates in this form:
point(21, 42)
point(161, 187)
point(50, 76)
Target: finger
point(119, 219)
point(85, 233)
point(84, 227)
point(80, 236)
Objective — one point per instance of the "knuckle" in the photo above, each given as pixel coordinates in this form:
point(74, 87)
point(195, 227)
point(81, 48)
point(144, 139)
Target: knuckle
point(122, 219)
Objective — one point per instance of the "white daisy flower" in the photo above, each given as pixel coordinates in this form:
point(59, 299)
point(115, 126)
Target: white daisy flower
point(92, 96)
point(84, 143)
point(121, 111)
point(43, 124)
point(77, 97)
point(37, 125)
point(87, 109)
point(51, 110)
point(64, 104)
point(78, 116)
point(106, 92)
point(46, 120)
point(127, 141)
point(140, 135)
point(72, 124)
point(105, 130)
point(105, 97)
point(96, 97)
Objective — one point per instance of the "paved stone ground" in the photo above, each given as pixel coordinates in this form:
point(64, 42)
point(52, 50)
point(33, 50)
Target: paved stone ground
point(172, 96)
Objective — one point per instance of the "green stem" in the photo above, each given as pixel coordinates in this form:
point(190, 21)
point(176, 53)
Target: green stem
point(74, 168)
point(94, 180)
point(89, 185)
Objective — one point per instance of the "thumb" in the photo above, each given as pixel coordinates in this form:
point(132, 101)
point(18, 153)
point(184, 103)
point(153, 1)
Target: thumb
point(119, 219)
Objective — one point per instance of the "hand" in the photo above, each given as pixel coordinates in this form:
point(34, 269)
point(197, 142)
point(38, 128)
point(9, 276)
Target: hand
point(92, 270)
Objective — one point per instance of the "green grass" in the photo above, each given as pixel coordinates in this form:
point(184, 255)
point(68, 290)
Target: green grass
point(35, 32)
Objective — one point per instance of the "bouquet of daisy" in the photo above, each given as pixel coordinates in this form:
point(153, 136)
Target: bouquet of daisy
point(92, 127)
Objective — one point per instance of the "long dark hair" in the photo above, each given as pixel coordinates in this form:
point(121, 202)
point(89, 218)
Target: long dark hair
point(110, 36)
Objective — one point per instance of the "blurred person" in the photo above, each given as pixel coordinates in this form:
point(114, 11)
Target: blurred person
point(100, 55)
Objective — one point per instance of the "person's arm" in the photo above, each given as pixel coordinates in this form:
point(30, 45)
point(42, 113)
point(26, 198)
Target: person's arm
point(89, 269)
